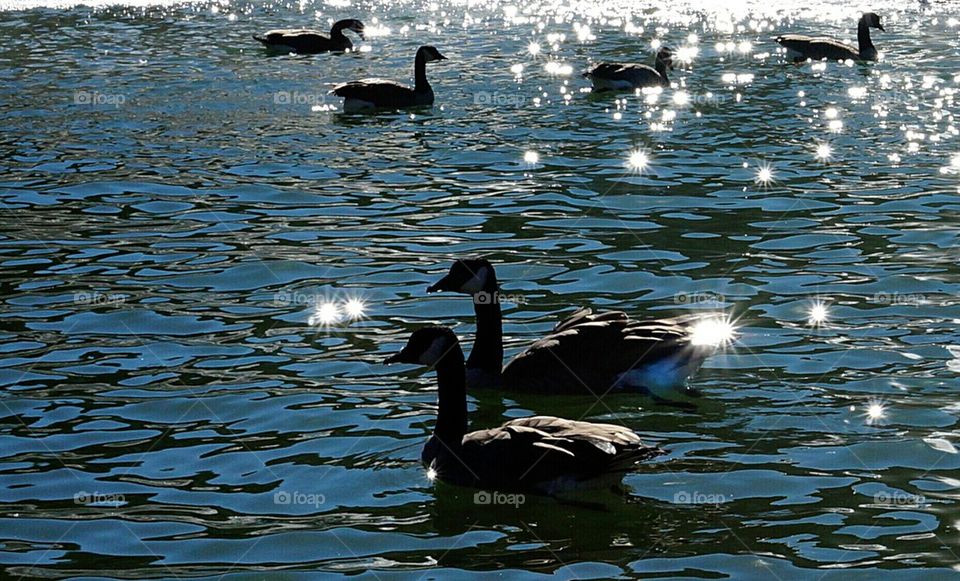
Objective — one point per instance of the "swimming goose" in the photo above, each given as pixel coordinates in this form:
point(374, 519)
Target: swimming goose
point(381, 94)
point(542, 454)
point(801, 47)
point(303, 41)
point(626, 76)
point(585, 353)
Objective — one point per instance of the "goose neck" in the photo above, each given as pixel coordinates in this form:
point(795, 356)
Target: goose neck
point(865, 43)
point(487, 353)
point(336, 31)
point(661, 67)
point(452, 395)
point(420, 72)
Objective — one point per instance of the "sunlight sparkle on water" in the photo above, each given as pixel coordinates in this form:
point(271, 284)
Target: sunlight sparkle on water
point(354, 308)
point(764, 175)
point(533, 48)
point(824, 152)
point(716, 331)
point(686, 54)
point(531, 157)
point(638, 160)
point(431, 474)
point(818, 313)
point(876, 411)
point(325, 314)
point(556, 68)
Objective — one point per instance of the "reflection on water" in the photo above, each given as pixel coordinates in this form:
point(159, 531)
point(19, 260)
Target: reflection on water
point(204, 265)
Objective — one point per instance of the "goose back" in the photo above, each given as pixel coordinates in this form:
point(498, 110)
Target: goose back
point(540, 453)
point(381, 94)
point(598, 352)
point(802, 47)
point(612, 76)
point(303, 41)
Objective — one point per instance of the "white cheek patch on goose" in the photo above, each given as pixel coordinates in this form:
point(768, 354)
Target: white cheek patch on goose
point(477, 282)
point(435, 352)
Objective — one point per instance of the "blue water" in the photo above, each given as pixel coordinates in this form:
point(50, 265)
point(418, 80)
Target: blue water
point(177, 205)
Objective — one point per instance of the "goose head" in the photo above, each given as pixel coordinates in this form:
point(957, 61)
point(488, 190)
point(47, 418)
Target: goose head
point(872, 20)
point(426, 346)
point(357, 26)
point(350, 24)
point(665, 56)
point(430, 54)
point(467, 276)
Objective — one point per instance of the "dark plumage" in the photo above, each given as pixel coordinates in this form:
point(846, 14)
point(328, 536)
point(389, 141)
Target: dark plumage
point(626, 76)
point(383, 94)
point(596, 350)
point(586, 353)
point(801, 47)
point(539, 454)
point(303, 41)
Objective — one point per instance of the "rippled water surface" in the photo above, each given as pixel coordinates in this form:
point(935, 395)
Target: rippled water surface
point(176, 204)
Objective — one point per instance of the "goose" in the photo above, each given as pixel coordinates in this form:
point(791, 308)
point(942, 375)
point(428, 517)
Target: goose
point(587, 352)
point(801, 47)
point(304, 41)
point(540, 454)
point(382, 94)
point(626, 76)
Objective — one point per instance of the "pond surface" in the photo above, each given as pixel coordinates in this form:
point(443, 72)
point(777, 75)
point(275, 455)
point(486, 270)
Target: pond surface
point(176, 205)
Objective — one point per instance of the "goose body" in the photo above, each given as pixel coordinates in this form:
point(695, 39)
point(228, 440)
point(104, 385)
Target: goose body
point(586, 353)
point(367, 94)
point(628, 76)
point(304, 41)
point(541, 454)
point(801, 47)
point(609, 351)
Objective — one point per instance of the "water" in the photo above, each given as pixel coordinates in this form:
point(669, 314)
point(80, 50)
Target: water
point(176, 204)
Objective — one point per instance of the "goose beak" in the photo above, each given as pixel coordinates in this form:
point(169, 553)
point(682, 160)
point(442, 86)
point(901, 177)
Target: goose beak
point(404, 356)
point(880, 26)
point(395, 358)
point(444, 284)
